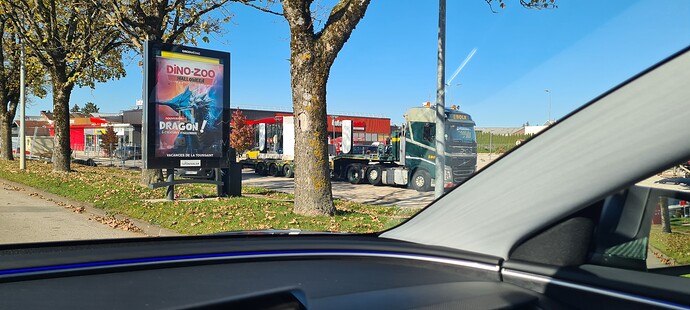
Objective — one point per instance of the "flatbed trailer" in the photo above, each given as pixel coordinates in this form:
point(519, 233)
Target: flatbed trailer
point(407, 158)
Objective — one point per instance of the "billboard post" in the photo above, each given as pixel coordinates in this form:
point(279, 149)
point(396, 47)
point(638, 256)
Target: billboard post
point(186, 109)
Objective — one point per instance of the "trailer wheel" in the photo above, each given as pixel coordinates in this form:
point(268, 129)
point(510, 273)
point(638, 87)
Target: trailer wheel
point(287, 171)
point(260, 169)
point(374, 175)
point(354, 174)
point(421, 181)
point(273, 170)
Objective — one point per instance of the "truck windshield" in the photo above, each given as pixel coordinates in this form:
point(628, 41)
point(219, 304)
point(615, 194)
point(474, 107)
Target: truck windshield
point(460, 133)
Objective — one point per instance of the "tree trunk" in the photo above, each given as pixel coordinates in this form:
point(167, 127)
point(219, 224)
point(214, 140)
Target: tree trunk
point(7, 113)
point(61, 142)
point(665, 215)
point(312, 175)
point(6, 136)
point(150, 176)
point(311, 57)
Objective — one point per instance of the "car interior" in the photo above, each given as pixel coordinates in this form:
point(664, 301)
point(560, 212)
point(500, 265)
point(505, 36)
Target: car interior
point(578, 237)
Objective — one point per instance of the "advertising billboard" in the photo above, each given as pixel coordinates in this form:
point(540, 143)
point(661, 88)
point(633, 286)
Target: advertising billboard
point(187, 107)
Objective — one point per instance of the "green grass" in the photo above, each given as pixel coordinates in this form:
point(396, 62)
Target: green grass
point(675, 245)
point(680, 221)
point(117, 192)
point(498, 143)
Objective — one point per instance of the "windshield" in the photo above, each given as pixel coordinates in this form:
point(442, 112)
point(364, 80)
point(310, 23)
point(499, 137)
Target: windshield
point(133, 128)
point(460, 133)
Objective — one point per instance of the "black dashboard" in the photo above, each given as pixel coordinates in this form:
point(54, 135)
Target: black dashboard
point(295, 272)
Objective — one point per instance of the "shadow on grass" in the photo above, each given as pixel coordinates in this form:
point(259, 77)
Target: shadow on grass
point(345, 212)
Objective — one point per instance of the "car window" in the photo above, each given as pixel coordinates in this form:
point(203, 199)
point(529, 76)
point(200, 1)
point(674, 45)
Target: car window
point(669, 236)
point(647, 226)
point(142, 132)
point(429, 132)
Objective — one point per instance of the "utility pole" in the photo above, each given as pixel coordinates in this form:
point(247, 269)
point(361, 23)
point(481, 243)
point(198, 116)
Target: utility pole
point(440, 102)
point(22, 109)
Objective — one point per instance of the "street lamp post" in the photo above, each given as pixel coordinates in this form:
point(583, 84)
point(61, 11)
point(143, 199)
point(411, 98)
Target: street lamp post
point(22, 110)
point(549, 92)
point(448, 86)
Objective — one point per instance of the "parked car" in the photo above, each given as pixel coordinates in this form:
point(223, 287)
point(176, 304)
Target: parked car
point(128, 152)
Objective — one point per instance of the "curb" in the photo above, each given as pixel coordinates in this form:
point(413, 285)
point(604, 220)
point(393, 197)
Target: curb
point(150, 230)
point(656, 252)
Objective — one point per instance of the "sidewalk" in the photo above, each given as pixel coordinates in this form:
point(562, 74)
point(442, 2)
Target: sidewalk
point(30, 215)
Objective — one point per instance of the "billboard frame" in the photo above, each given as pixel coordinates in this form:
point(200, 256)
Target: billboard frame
point(149, 124)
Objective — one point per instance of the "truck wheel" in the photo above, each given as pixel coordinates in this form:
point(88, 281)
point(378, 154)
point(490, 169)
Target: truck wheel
point(287, 171)
point(354, 174)
point(273, 170)
point(260, 169)
point(374, 175)
point(421, 181)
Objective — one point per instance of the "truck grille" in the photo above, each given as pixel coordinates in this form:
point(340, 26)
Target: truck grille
point(463, 167)
point(460, 175)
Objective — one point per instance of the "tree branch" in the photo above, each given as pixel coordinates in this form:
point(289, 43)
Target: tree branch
point(70, 33)
point(260, 8)
point(298, 16)
point(491, 7)
point(342, 21)
point(193, 20)
point(18, 23)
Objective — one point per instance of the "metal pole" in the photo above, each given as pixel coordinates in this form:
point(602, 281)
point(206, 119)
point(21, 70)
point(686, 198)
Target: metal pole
point(491, 135)
point(549, 92)
point(170, 189)
point(440, 101)
point(22, 110)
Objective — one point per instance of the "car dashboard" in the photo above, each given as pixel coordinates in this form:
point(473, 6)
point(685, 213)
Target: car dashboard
point(257, 272)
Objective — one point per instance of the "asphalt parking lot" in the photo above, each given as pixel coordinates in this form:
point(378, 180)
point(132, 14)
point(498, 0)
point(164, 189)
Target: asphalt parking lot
point(363, 193)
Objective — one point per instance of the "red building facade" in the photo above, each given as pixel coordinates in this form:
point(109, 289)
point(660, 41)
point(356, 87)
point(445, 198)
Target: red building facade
point(365, 129)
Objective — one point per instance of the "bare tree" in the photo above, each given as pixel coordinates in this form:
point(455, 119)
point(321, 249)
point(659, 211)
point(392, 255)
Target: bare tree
point(529, 4)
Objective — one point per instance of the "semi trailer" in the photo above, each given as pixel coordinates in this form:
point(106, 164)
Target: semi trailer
point(407, 158)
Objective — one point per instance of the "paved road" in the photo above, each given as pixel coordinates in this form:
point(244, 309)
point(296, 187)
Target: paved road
point(363, 193)
point(27, 218)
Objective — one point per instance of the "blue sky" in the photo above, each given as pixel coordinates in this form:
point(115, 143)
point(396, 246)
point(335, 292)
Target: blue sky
point(577, 51)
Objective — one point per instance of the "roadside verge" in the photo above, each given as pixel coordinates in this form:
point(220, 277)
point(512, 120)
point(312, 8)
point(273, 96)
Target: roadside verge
point(116, 221)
